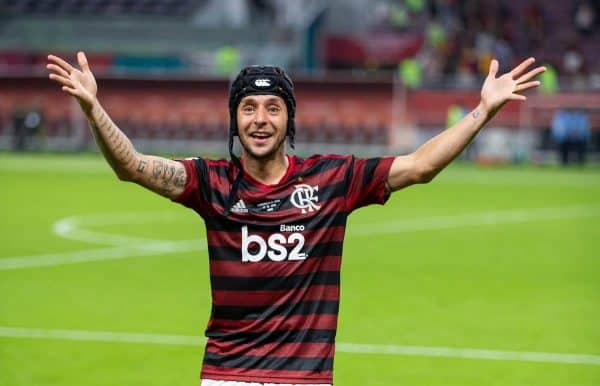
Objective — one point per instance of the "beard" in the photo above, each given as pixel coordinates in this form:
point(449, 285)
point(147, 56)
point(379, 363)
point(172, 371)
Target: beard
point(270, 154)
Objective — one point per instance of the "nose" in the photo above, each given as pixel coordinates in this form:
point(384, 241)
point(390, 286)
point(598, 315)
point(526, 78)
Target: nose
point(261, 116)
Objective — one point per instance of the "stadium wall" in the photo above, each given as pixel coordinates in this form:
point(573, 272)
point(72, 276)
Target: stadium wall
point(334, 113)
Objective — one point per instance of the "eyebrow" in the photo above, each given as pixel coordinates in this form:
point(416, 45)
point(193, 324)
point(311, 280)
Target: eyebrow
point(250, 99)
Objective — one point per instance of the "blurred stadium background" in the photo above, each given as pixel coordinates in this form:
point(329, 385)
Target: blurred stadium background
point(503, 260)
point(372, 76)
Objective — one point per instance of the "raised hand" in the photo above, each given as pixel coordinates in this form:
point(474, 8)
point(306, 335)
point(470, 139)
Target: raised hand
point(80, 83)
point(496, 92)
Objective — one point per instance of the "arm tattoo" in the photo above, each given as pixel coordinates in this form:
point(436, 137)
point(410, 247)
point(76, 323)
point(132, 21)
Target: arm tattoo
point(169, 172)
point(168, 177)
point(157, 168)
point(128, 157)
point(102, 120)
point(476, 114)
point(115, 145)
point(180, 178)
point(141, 166)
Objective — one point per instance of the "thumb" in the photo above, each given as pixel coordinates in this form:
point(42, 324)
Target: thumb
point(493, 68)
point(82, 60)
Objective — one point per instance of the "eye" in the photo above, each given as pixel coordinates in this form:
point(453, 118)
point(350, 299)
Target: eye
point(248, 109)
point(273, 109)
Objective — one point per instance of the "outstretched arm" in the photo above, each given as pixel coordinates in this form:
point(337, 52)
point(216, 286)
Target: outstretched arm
point(433, 156)
point(163, 176)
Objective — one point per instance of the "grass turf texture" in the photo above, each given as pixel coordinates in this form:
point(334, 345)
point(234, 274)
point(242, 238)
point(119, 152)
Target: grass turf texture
point(529, 285)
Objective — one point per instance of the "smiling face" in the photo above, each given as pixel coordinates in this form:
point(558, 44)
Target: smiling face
point(262, 125)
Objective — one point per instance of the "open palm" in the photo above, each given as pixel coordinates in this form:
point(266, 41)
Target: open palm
point(79, 83)
point(496, 92)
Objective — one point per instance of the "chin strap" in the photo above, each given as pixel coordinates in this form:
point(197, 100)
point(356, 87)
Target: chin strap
point(236, 182)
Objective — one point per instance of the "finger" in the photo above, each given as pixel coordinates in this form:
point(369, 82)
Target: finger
point(531, 74)
point(517, 97)
point(62, 80)
point(70, 90)
point(61, 63)
point(83, 63)
point(57, 70)
point(526, 86)
point(521, 67)
point(493, 68)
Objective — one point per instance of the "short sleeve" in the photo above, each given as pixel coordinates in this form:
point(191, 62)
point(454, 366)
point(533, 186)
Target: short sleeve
point(192, 196)
point(366, 181)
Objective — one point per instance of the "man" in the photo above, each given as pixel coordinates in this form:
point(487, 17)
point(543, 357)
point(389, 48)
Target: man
point(571, 131)
point(275, 223)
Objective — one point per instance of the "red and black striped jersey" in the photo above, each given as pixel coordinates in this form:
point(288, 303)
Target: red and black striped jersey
point(275, 263)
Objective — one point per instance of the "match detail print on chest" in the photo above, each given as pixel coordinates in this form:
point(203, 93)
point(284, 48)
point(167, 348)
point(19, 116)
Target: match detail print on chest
point(296, 197)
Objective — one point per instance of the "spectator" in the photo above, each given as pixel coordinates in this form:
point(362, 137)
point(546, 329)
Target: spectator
point(409, 71)
point(19, 132)
point(549, 80)
point(573, 60)
point(26, 124)
point(227, 60)
point(585, 17)
point(571, 132)
point(535, 25)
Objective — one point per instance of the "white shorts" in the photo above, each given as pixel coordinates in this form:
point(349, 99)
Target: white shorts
point(211, 382)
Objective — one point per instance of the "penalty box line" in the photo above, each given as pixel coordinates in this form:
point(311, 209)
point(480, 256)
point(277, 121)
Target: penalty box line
point(352, 348)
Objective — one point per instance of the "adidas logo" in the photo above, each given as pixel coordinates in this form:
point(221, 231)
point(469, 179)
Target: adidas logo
point(239, 207)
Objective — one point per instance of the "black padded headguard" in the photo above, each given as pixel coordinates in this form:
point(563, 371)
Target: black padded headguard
point(258, 80)
point(261, 80)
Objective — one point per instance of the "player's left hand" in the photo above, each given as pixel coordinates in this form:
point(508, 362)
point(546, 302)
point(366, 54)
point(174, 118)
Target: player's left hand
point(496, 92)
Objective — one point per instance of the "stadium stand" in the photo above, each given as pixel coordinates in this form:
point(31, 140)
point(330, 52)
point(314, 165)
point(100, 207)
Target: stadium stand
point(162, 8)
point(343, 54)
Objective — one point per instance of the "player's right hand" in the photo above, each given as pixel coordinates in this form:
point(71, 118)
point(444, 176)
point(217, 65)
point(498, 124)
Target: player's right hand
point(80, 83)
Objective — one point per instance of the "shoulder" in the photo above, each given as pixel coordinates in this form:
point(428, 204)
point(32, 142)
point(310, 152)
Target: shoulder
point(207, 168)
point(206, 162)
point(325, 159)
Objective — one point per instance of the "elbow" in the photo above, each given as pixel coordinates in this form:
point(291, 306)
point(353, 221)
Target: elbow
point(124, 175)
point(125, 171)
point(425, 174)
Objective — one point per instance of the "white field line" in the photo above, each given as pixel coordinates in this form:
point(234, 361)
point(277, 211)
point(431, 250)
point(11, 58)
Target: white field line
point(129, 246)
point(355, 348)
point(475, 219)
point(73, 228)
point(100, 254)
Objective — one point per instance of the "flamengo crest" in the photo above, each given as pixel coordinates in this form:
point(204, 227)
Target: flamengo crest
point(305, 198)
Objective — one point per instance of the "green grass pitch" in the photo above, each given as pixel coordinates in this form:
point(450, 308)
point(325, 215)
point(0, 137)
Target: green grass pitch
point(504, 259)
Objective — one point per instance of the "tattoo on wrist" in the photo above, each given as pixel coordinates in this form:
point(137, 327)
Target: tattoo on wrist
point(476, 114)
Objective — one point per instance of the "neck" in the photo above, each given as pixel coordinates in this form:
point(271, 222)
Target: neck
point(267, 171)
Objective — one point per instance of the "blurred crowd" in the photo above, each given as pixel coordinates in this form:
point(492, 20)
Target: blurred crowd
point(434, 38)
point(462, 36)
point(430, 44)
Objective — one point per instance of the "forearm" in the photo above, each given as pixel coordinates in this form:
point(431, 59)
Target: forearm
point(113, 143)
point(440, 150)
point(163, 176)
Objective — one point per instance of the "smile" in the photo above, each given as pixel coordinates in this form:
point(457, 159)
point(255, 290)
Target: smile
point(261, 135)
